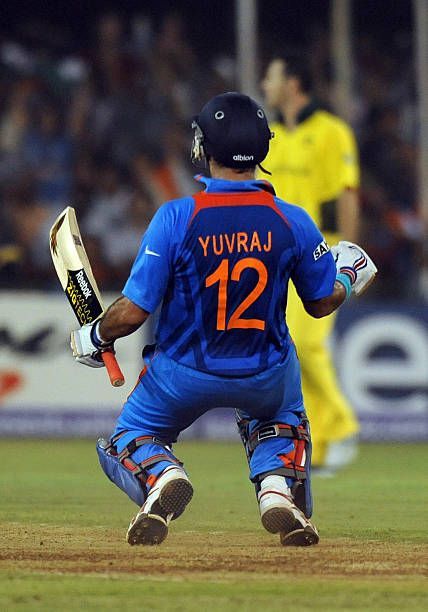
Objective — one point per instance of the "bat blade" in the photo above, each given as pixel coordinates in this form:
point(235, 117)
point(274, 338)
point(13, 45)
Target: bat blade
point(73, 268)
point(77, 279)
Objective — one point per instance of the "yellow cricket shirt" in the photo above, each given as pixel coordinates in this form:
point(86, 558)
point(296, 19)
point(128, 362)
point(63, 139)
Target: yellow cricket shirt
point(313, 163)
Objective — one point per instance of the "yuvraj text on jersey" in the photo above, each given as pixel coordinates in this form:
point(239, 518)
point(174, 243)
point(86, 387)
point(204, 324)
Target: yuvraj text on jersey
point(237, 242)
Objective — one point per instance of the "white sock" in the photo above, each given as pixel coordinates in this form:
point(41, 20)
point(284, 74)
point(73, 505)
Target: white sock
point(275, 483)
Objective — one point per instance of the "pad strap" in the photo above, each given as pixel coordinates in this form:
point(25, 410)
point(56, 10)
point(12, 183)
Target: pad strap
point(140, 469)
point(282, 471)
point(294, 461)
point(280, 430)
point(136, 443)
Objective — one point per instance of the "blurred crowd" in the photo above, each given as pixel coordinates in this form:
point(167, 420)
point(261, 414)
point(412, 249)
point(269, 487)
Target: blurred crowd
point(106, 128)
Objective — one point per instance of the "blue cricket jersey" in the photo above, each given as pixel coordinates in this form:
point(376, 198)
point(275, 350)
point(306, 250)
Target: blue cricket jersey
point(220, 262)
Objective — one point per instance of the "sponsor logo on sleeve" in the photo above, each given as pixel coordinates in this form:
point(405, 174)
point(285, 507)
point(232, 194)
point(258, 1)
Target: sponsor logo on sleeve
point(321, 250)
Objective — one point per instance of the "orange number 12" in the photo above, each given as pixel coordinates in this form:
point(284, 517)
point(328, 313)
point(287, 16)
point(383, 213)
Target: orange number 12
point(221, 276)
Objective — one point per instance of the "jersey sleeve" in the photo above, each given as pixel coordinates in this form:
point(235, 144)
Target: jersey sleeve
point(315, 271)
point(152, 267)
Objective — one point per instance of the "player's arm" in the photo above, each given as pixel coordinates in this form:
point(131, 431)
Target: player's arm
point(324, 279)
point(355, 271)
point(314, 272)
point(122, 318)
point(142, 294)
point(325, 306)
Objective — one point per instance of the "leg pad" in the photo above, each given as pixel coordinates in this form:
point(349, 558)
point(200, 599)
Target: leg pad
point(117, 473)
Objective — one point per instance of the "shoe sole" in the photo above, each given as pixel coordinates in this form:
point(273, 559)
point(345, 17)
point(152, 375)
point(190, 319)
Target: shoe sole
point(148, 530)
point(300, 537)
point(152, 529)
point(277, 520)
point(175, 496)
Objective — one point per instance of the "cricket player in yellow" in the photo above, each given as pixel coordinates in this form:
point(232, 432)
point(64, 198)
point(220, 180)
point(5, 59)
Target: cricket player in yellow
point(313, 161)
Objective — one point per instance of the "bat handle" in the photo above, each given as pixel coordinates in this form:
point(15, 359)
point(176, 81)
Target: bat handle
point(115, 373)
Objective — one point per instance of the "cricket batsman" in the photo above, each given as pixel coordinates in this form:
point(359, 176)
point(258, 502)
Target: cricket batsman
point(313, 161)
point(219, 263)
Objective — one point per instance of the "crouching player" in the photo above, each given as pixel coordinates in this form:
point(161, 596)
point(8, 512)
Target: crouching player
point(219, 262)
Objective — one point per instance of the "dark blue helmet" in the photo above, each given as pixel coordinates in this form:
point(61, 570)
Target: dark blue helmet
point(233, 129)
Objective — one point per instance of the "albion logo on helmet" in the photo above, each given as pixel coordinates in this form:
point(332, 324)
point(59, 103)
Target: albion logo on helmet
point(243, 157)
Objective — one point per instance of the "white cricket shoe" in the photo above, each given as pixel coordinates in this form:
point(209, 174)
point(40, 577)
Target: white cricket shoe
point(166, 500)
point(279, 514)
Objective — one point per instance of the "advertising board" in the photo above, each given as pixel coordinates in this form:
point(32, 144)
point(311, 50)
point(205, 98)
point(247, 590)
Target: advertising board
point(381, 353)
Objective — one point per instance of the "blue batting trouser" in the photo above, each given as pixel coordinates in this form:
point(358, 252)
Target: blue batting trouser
point(169, 397)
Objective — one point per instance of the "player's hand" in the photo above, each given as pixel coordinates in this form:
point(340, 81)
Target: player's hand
point(355, 264)
point(87, 345)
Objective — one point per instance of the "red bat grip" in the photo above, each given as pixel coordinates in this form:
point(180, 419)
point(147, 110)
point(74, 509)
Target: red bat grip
point(115, 373)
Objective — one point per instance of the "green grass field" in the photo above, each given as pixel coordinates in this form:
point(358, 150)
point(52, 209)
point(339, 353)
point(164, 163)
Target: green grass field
point(63, 526)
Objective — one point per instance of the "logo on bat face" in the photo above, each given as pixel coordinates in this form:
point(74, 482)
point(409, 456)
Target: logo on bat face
point(81, 296)
point(84, 284)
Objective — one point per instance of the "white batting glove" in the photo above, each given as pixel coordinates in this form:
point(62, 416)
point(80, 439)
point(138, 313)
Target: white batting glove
point(354, 267)
point(87, 345)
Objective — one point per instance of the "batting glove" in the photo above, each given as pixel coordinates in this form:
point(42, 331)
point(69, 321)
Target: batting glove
point(87, 345)
point(355, 269)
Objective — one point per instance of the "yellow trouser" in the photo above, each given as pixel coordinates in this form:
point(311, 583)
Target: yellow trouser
point(330, 415)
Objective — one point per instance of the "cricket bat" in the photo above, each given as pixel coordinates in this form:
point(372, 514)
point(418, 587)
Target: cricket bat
point(76, 277)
